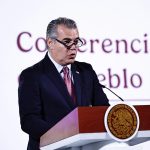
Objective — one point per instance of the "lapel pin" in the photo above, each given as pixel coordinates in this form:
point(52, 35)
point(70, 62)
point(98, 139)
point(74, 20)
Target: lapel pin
point(77, 72)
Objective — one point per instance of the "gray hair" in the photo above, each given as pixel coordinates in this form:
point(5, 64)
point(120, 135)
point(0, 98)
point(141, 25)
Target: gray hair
point(52, 26)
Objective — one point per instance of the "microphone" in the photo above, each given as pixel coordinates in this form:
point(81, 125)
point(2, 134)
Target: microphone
point(103, 86)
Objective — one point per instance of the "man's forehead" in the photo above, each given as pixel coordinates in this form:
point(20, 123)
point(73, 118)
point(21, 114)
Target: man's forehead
point(65, 31)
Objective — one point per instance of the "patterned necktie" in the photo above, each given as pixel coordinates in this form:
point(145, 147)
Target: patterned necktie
point(68, 82)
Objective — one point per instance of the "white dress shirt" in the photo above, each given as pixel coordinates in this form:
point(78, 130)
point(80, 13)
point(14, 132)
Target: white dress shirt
point(60, 67)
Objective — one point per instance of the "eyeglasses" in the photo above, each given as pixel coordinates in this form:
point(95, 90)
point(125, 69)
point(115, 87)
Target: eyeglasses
point(68, 43)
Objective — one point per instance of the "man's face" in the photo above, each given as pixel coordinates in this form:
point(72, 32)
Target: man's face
point(58, 51)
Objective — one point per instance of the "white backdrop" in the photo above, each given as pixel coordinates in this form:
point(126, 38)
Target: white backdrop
point(123, 67)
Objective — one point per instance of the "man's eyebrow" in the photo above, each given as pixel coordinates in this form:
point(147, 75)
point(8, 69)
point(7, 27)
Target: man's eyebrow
point(67, 39)
point(70, 39)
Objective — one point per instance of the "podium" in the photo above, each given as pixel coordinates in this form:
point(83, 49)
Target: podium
point(84, 127)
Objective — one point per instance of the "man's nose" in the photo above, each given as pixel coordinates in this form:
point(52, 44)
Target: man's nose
point(73, 46)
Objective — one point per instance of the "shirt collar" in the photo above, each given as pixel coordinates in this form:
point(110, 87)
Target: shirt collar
point(58, 66)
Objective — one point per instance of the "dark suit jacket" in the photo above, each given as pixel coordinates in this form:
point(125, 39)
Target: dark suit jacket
point(44, 99)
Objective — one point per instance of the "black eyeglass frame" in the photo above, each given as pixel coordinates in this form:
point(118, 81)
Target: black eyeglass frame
point(69, 46)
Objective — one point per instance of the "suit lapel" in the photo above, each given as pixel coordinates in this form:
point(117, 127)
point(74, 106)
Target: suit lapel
point(77, 83)
point(56, 79)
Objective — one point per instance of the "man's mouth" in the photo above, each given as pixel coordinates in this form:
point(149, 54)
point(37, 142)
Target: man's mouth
point(72, 56)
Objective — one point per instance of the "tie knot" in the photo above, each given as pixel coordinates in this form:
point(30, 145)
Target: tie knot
point(65, 70)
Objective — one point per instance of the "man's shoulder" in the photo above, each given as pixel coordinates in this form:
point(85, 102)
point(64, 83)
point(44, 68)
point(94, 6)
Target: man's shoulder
point(31, 70)
point(83, 65)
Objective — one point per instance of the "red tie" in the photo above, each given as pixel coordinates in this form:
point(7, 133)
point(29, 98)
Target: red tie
point(68, 82)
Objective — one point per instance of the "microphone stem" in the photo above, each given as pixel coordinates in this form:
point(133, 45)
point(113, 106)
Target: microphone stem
point(113, 92)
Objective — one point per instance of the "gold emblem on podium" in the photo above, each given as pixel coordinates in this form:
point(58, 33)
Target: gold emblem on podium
point(121, 122)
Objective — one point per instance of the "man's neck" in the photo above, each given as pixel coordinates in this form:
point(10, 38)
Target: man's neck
point(58, 66)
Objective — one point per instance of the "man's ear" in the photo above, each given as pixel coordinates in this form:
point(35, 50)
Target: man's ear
point(50, 43)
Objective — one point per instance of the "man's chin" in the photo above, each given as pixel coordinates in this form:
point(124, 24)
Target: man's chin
point(70, 61)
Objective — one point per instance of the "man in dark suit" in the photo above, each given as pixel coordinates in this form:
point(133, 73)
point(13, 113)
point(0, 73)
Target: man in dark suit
point(47, 93)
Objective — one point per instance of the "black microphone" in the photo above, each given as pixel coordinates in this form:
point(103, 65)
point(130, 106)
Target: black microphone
point(103, 86)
